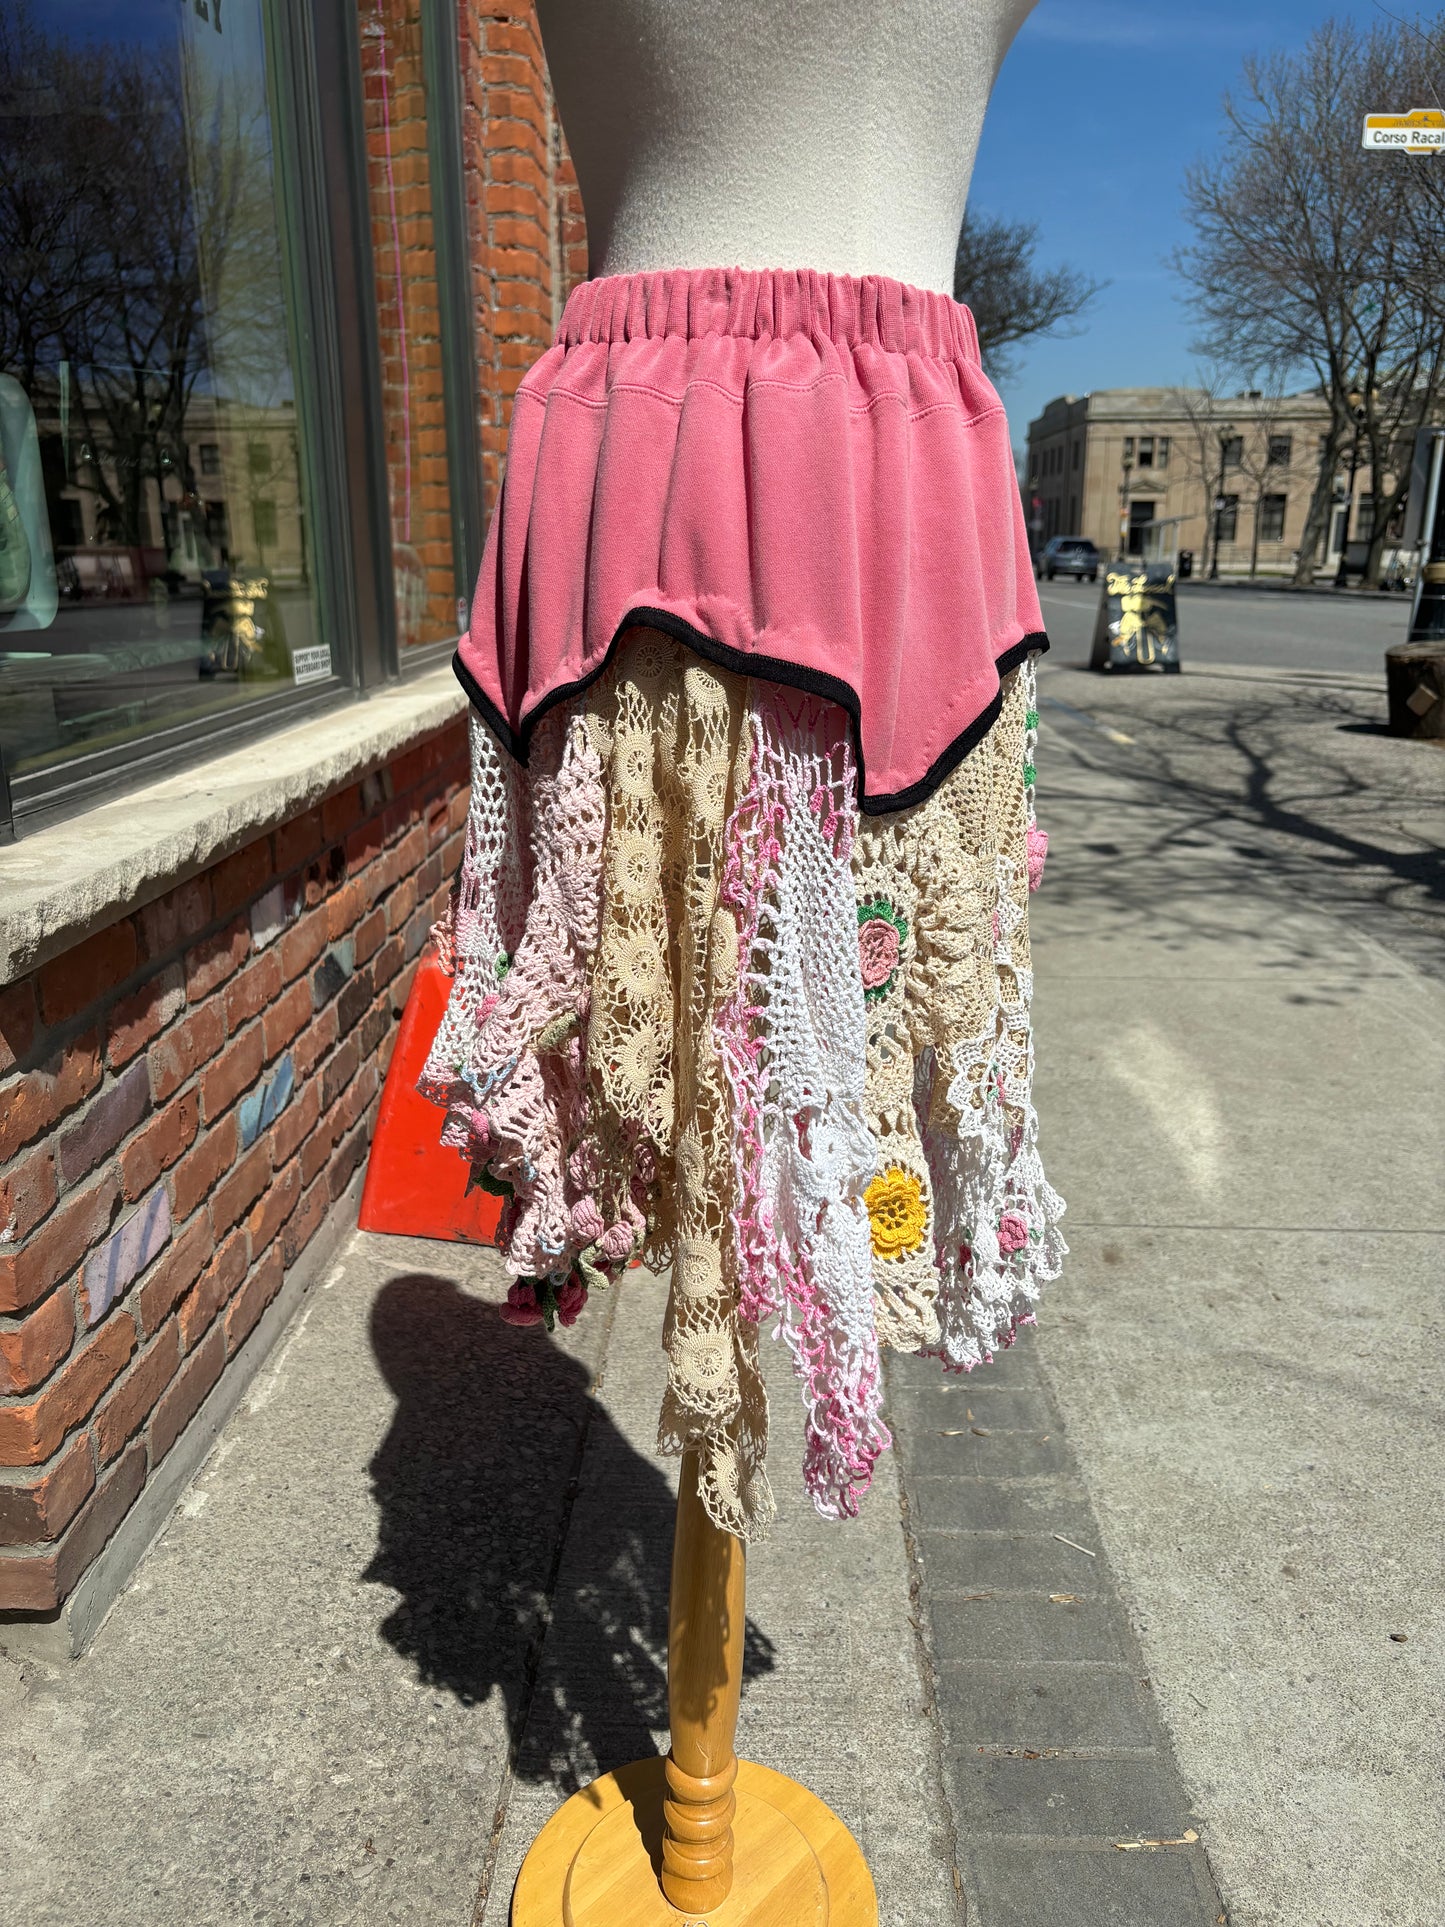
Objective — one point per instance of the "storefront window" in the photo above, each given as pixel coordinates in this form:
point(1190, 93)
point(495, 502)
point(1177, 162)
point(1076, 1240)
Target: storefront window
point(409, 313)
point(154, 549)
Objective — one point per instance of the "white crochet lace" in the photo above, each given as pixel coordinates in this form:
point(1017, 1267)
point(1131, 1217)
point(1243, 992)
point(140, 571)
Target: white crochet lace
point(713, 1017)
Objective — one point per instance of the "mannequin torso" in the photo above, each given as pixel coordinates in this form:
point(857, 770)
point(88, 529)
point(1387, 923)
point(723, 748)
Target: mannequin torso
point(830, 134)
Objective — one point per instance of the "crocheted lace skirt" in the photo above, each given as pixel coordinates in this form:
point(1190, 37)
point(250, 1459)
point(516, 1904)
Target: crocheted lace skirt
point(706, 1015)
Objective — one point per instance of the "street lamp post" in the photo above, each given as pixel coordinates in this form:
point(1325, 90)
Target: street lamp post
point(1226, 436)
point(1124, 507)
point(1342, 574)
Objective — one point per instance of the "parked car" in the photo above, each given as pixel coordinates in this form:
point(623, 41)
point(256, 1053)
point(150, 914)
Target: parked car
point(1068, 555)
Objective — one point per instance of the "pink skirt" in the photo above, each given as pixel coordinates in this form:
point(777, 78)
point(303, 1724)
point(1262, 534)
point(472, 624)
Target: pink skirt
point(801, 477)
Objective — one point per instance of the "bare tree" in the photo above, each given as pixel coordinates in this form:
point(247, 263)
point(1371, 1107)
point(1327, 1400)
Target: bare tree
point(1310, 254)
point(1012, 301)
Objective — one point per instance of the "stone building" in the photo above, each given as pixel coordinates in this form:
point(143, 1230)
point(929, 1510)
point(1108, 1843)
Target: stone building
point(233, 760)
point(1114, 464)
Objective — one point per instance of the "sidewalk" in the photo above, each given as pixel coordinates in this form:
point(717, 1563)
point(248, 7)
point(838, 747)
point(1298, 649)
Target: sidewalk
point(419, 1590)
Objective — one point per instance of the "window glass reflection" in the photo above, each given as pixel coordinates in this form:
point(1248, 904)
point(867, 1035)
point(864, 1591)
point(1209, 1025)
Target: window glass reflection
point(154, 558)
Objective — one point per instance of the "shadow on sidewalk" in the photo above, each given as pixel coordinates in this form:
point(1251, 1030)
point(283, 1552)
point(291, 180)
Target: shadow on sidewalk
point(475, 1482)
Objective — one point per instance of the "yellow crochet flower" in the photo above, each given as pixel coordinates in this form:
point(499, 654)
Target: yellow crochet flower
point(897, 1214)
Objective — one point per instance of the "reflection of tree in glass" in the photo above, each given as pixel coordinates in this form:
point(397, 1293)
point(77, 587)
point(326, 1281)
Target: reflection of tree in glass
point(138, 232)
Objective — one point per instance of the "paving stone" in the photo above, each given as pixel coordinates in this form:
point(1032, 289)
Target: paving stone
point(1010, 1627)
point(1003, 1562)
point(1017, 1366)
point(1066, 1799)
point(1026, 1887)
point(946, 1451)
point(1001, 1505)
point(999, 1408)
point(1046, 1705)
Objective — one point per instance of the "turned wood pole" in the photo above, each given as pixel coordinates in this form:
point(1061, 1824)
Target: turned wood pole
point(704, 1681)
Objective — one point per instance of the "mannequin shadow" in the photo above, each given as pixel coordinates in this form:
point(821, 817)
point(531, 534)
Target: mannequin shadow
point(530, 1543)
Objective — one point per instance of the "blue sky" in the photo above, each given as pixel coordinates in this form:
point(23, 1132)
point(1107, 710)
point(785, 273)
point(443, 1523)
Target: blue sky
point(1099, 108)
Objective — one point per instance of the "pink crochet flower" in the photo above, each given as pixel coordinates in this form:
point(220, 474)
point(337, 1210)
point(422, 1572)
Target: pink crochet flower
point(570, 1300)
point(587, 1220)
point(877, 951)
point(521, 1307)
point(1038, 849)
point(1013, 1232)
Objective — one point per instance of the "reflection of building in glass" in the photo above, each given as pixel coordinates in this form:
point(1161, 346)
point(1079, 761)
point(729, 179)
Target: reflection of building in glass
point(1115, 464)
point(226, 491)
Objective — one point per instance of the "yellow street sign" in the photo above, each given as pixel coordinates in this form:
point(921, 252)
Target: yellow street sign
point(1421, 131)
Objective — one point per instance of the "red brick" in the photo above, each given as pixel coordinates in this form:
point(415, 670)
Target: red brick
point(276, 1204)
point(239, 1192)
point(33, 1101)
point(129, 1405)
point(182, 1400)
point(370, 935)
point(314, 1042)
point(37, 1509)
point(216, 958)
point(339, 1070)
point(179, 1052)
point(30, 1433)
point(38, 1582)
point(18, 1023)
point(297, 841)
point(202, 1169)
point(28, 1271)
point(234, 1071)
point(305, 1221)
point(83, 974)
point(350, 1153)
point(341, 812)
point(98, 1518)
point(317, 1148)
point(214, 1286)
point(172, 1275)
point(344, 909)
point(365, 845)
point(27, 1191)
point(134, 1020)
point(388, 960)
point(286, 1018)
point(359, 1094)
point(295, 1124)
point(156, 1148)
point(304, 942)
point(250, 993)
point(31, 1350)
point(174, 918)
point(252, 1299)
point(109, 1117)
point(240, 877)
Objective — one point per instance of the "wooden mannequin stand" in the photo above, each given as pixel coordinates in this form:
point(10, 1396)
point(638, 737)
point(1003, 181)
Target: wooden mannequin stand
point(698, 1839)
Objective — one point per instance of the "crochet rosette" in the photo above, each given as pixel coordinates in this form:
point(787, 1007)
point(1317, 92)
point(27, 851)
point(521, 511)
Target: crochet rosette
point(706, 1015)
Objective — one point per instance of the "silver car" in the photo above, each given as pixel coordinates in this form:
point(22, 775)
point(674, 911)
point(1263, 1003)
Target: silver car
point(1068, 555)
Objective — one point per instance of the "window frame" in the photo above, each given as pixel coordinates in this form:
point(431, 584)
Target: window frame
point(314, 99)
point(1267, 506)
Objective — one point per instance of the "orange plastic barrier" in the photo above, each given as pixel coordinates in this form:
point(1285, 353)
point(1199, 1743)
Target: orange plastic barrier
point(415, 1185)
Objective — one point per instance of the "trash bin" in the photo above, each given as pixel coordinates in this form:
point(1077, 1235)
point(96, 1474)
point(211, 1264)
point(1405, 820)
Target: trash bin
point(1186, 563)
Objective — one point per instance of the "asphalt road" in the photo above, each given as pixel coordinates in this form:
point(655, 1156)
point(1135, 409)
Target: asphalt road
point(1264, 628)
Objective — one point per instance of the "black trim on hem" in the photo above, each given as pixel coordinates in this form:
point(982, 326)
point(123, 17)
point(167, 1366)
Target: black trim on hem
point(742, 662)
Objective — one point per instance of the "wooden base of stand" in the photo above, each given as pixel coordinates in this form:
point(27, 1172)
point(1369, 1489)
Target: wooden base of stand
point(598, 1860)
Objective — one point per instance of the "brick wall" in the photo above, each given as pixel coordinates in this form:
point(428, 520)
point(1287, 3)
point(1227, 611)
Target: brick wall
point(529, 245)
point(183, 1097)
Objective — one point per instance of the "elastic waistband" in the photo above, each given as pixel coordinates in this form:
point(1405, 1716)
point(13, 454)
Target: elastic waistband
point(848, 310)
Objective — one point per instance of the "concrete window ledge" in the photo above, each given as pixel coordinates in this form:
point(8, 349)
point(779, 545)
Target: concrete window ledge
point(60, 884)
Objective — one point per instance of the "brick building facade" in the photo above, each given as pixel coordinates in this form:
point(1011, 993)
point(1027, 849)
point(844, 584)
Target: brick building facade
point(191, 1053)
